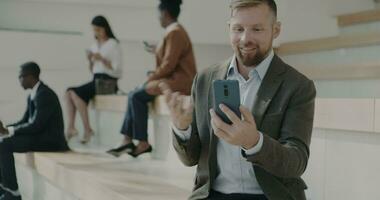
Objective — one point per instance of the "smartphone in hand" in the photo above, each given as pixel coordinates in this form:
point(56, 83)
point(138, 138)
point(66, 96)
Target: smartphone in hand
point(226, 92)
point(146, 44)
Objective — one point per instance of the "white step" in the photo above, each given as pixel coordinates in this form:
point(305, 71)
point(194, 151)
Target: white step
point(358, 17)
point(360, 22)
point(341, 57)
point(94, 176)
point(360, 88)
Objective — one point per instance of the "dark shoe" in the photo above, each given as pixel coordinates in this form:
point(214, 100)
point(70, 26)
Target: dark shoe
point(128, 148)
point(135, 155)
point(10, 197)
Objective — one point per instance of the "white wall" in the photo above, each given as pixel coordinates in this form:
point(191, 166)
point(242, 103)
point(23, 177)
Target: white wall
point(343, 165)
point(63, 63)
point(204, 19)
point(130, 21)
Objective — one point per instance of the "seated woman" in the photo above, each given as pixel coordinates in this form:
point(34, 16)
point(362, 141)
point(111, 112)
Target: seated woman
point(175, 66)
point(106, 64)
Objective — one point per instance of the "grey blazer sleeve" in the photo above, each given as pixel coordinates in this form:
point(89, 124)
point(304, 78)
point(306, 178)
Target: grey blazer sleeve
point(189, 151)
point(287, 157)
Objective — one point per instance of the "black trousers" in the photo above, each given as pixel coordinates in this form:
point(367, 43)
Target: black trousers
point(7, 164)
point(18, 144)
point(214, 195)
point(135, 123)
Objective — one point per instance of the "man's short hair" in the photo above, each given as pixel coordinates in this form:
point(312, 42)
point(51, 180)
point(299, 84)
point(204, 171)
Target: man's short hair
point(31, 68)
point(236, 4)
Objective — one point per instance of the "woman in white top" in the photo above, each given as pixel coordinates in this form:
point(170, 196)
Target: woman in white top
point(105, 63)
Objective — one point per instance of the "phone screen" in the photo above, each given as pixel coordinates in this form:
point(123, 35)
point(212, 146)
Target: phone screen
point(226, 92)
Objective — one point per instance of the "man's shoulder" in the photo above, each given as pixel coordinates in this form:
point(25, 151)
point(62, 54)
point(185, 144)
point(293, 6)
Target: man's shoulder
point(176, 33)
point(292, 74)
point(294, 80)
point(46, 92)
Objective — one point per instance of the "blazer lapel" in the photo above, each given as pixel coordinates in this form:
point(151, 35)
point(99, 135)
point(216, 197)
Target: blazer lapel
point(219, 74)
point(268, 89)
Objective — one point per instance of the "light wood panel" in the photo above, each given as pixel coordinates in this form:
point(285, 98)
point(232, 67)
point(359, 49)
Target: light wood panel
point(330, 43)
point(359, 17)
point(118, 103)
point(340, 72)
point(330, 113)
point(345, 114)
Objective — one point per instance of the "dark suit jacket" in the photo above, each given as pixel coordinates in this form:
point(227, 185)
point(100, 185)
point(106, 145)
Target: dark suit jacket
point(283, 111)
point(46, 126)
point(175, 62)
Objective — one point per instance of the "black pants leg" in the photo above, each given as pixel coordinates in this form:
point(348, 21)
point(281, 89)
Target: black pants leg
point(214, 195)
point(136, 119)
point(127, 127)
point(8, 178)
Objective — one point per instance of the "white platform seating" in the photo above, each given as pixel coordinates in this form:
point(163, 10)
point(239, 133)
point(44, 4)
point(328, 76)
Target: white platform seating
point(94, 176)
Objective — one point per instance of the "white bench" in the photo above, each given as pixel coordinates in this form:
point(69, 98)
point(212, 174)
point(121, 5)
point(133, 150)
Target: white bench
point(159, 133)
point(74, 176)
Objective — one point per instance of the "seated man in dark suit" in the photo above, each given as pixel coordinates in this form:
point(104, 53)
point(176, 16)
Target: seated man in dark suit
point(41, 129)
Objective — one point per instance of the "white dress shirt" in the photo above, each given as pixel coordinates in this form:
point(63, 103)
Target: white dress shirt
point(34, 90)
point(111, 51)
point(236, 173)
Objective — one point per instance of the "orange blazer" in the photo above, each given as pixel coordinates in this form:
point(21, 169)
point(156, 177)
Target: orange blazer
point(175, 62)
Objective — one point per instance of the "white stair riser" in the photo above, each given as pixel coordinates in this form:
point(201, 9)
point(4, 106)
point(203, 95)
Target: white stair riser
point(349, 56)
point(360, 28)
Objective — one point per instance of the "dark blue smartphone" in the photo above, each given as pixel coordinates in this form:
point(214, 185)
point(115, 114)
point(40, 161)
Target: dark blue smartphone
point(146, 44)
point(226, 92)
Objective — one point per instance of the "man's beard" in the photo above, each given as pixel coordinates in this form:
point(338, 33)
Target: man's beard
point(251, 61)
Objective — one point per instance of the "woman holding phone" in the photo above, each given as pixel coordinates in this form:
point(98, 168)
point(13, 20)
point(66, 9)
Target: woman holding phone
point(105, 62)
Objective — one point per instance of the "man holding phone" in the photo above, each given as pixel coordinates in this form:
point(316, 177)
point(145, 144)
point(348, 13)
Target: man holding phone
point(263, 153)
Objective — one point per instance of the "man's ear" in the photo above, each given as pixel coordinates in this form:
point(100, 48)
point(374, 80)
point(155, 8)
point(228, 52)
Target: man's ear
point(276, 29)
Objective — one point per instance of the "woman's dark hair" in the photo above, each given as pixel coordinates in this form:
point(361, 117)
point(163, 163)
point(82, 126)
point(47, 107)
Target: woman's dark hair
point(173, 7)
point(101, 21)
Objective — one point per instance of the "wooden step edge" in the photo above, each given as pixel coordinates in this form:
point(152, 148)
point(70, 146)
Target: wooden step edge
point(341, 72)
point(359, 17)
point(329, 43)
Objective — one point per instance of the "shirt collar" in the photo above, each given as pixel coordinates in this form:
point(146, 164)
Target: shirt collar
point(34, 90)
point(171, 27)
point(261, 68)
